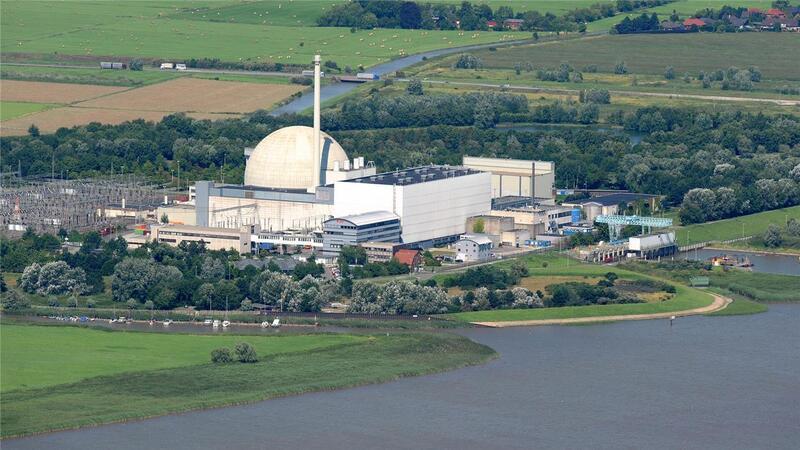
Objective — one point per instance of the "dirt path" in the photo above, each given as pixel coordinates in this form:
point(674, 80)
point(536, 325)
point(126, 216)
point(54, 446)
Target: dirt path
point(718, 304)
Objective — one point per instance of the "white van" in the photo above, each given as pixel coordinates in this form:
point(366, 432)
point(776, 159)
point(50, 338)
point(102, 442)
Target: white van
point(180, 66)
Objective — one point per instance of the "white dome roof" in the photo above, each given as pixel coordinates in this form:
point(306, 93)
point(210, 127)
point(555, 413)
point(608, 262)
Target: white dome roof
point(285, 159)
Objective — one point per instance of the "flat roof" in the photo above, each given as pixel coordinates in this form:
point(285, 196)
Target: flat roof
point(415, 175)
point(478, 239)
point(368, 218)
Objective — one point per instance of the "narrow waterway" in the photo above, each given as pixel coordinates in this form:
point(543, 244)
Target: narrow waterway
point(705, 383)
point(762, 262)
point(336, 89)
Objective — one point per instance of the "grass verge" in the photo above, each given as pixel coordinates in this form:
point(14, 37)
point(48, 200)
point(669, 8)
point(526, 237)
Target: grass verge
point(734, 228)
point(741, 305)
point(135, 395)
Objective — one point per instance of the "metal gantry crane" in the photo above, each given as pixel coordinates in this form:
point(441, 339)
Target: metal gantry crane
point(617, 222)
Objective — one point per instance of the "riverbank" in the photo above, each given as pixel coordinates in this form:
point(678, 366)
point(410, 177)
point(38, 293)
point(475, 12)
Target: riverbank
point(718, 304)
point(755, 251)
point(83, 381)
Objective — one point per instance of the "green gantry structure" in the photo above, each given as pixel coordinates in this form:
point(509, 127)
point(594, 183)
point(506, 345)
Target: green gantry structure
point(617, 222)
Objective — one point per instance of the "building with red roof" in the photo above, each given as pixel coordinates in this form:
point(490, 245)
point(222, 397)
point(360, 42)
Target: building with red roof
point(693, 22)
point(409, 257)
point(774, 12)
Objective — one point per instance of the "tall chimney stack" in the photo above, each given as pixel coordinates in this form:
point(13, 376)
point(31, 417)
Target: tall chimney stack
point(317, 132)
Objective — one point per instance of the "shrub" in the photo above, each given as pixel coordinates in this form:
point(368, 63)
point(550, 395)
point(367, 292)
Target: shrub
point(221, 355)
point(245, 353)
point(13, 301)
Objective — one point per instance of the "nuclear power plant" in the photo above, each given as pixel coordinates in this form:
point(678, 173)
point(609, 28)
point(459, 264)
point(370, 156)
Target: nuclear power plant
point(301, 189)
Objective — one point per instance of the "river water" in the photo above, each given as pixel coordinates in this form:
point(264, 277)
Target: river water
point(767, 263)
point(706, 383)
point(336, 89)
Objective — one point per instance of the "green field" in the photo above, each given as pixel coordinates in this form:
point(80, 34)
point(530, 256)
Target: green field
point(734, 228)
point(776, 54)
point(150, 29)
point(10, 110)
point(89, 75)
point(741, 306)
point(68, 354)
point(140, 377)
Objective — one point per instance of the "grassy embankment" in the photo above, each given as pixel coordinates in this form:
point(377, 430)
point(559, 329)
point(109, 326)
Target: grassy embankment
point(557, 266)
point(95, 75)
point(737, 227)
point(78, 377)
point(750, 291)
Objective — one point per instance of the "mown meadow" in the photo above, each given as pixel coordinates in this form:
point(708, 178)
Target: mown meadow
point(76, 377)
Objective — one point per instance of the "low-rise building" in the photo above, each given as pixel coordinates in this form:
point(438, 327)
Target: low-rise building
point(652, 246)
point(472, 248)
point(516, 237)
point(379, 252)
point(214, 238)
point(375, 226)
point(410, 257)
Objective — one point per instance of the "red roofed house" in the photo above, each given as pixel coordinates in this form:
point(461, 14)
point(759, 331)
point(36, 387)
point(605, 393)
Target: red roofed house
point(693, 22)
point(491, 23)
point(411, 258)
point(774, 12)
point(513, 24)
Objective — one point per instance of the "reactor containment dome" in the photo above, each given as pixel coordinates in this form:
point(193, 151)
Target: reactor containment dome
point(285, 159)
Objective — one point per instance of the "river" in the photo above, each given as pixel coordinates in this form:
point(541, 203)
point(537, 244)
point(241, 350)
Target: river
point(705, 383)
point(763, 262)
point(336, 89)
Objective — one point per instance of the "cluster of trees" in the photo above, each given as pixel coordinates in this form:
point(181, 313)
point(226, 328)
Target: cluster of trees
point(599, 96)
point(562, 74)
point(369, 14)
point(642, 24)
point(703, 204)
point(397, 297)
point(559, 111)
point(489, 276)
point(579, 294)
point(468, 61)
point(776, 237)
point(242, 352)
point(33, 252)
point(482, 299)
point(53, 278)
point(481, 109)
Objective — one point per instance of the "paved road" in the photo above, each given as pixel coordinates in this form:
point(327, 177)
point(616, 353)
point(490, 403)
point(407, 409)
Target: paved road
point(718, 304)
point(776, 101)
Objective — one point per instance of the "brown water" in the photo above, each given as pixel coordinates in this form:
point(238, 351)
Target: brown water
point(705, 383)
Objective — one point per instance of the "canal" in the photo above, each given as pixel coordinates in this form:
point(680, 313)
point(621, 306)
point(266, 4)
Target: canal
point(762, 262)
point(705, 383)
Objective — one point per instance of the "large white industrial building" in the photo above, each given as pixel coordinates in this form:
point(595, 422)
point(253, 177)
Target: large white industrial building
point(433, 202)
point(299, 177)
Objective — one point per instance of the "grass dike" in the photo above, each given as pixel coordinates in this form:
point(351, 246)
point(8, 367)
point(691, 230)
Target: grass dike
point(138, 394)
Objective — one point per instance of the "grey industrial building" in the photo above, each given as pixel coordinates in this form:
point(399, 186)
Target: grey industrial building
point(376, 226)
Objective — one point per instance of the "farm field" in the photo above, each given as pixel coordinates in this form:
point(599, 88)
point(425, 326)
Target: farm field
point(89, 75)
point(774, 53)
point(38, 92)
point(154, 374)
point(150, 30)
point(11, 110)
point(198, 97)
point(736, 227)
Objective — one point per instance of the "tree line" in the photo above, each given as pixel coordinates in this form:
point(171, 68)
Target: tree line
point(368, 14)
